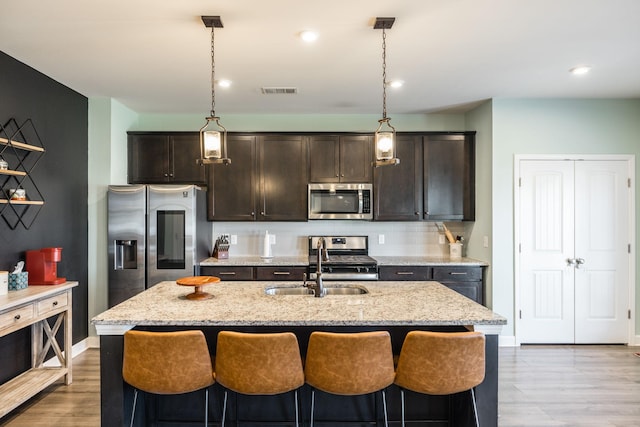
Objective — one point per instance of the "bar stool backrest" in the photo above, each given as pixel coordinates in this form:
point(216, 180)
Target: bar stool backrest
point(258, 364)
point(167, 362)
point(441, 363)
point(349, 363)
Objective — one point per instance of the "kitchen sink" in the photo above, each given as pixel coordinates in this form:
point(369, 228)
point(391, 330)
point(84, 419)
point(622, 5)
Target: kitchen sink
point(329, 290)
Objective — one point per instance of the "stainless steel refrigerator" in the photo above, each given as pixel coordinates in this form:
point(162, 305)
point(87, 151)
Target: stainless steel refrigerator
point(155, 233)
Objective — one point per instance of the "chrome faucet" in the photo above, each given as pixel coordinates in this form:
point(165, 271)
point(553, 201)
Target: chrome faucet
point(323, 255)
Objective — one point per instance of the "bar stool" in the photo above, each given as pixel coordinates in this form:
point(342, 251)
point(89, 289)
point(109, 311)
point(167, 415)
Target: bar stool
point(167, 363)
point(349, 364)
point(258, 364)
point(441, 363)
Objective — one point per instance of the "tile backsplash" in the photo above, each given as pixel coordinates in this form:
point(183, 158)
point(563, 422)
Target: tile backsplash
point(400, 238)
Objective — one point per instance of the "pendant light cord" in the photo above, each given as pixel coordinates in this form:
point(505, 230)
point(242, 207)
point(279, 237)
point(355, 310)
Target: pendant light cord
point(213, 74)
point(384, 74)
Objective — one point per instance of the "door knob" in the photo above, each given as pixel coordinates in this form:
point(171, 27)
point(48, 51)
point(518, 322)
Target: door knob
point(571, 261)
point(579, 262)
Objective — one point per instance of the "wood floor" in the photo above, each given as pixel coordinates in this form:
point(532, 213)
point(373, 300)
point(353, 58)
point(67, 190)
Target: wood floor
point(539, 386)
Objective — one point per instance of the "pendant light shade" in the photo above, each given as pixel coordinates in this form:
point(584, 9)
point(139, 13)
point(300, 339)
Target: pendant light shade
point(385, 136)
point(213, 136)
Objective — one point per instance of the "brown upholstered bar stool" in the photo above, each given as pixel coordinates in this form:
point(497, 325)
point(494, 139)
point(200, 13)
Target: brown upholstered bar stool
point(441, 363)
point(167, 363)
point(349, 364)
point(259, 364)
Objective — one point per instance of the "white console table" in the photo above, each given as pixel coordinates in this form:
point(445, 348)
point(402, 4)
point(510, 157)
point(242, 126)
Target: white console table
point(32, 307)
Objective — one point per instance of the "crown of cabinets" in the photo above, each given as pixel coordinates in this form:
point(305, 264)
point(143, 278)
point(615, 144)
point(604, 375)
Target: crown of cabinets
point(434, 181)
point(164, 158)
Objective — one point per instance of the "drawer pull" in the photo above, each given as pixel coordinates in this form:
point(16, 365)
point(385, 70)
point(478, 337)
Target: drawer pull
point(227, 273)
point(458, 273)
point(17, 317)
point(281, 273)
point(404, 273)
point(55, 303)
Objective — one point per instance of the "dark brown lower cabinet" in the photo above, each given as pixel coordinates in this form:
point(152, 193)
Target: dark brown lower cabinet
point(237, 273)
point(468, 281)
point(228, 273)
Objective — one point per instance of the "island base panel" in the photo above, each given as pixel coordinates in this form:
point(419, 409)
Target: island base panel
point(117, 396)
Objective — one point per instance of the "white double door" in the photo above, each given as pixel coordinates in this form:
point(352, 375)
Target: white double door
point(574, 244)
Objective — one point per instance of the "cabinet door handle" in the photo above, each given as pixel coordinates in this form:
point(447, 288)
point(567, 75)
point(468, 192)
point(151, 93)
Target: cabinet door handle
point(262, 213)
point(166, 175)
point(227, 273)
point(17, 317)
point(281, 273)
point(458, 273)
point(404, 273)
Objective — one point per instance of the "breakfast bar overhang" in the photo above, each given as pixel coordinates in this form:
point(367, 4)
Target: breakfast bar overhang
point(397, 307)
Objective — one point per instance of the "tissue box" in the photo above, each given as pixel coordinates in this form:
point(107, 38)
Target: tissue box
point(18, 280)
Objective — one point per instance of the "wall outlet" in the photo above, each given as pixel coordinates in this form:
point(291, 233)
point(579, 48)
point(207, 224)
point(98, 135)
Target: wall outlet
point(485, 241)
point(381, 239)
point(441, 239)
point(272, 239)
point(234, 239)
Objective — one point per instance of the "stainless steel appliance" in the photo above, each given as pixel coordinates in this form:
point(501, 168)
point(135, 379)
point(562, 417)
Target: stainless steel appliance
point(340, 201)
point(348, 258)
point(155, 233)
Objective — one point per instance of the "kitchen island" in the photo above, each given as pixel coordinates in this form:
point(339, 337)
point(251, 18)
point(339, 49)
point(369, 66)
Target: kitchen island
point(243, 306)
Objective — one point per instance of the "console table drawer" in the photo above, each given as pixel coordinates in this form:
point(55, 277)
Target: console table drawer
point(17, 316)
point(52, 304)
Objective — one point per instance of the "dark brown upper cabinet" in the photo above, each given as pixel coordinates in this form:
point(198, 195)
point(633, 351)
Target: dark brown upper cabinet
point(434, 181)
point(398, 189)
point(231, 190)
point(340, 158)
point(266, 180)
point(449, 177)
point(164, 158)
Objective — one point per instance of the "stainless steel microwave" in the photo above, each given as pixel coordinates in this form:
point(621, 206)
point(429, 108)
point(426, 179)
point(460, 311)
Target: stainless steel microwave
point(340, 201)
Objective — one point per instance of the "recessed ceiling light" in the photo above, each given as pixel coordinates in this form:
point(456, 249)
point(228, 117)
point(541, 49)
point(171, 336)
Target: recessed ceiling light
point(395, 83)
point(580, 70)
point(224, 83)
point(309, 36)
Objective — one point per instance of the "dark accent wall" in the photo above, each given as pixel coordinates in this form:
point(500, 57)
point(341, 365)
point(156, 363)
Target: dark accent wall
point(60, 116)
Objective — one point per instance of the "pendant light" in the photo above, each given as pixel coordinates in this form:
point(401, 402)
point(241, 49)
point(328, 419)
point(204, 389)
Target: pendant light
point(213, 136)
point(385, 136)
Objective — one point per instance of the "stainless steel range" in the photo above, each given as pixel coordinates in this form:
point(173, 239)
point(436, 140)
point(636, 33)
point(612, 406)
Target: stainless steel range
point(348, 258)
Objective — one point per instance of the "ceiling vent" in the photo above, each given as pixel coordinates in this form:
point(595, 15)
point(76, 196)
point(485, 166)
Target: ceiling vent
point(279, 90)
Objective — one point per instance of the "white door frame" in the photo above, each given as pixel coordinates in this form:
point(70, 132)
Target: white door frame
point(630, 159)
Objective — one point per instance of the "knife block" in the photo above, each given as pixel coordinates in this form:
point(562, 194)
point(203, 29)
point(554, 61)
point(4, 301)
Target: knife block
point(221, 251)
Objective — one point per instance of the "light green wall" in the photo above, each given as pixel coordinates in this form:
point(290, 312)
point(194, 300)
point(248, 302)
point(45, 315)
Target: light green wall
point(480, 120)
point(108, 123)
point(548, 126)
point(302, 122)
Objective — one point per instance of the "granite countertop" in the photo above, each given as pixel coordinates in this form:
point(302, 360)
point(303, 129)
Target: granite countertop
point(429, 260)
point(245, 304)
point(304, 261)
point(251, 261)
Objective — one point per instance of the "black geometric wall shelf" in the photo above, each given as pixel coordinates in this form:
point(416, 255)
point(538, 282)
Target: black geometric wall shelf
point(21, 148)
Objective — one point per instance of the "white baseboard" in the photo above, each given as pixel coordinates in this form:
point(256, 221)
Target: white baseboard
point(76, 349)
point(507, 341)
